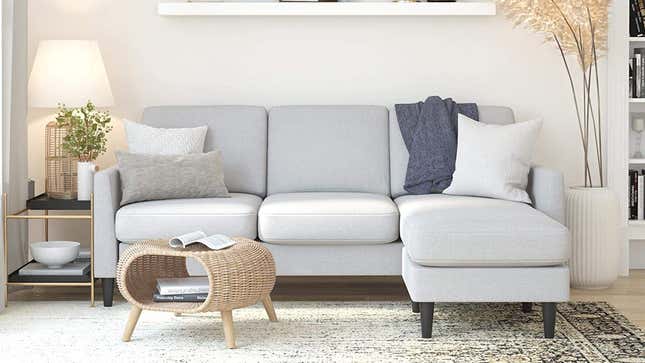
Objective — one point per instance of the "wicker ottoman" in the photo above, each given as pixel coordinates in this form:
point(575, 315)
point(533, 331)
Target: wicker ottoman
point(239, 276)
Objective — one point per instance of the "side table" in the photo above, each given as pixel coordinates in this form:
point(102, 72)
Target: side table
point(46, 204)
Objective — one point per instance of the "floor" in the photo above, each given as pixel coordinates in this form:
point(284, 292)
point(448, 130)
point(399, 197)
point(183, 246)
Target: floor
point(627, 295)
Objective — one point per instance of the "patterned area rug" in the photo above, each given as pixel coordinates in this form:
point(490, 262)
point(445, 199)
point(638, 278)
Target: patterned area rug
point(319, 332)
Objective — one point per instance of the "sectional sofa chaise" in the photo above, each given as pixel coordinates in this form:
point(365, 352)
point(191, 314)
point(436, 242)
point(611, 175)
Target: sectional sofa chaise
point(322, 187)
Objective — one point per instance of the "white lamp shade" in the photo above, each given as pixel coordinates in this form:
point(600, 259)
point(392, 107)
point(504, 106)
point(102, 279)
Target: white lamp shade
point(70, 72)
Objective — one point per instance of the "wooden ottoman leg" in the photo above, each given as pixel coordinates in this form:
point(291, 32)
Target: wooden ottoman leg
point(268, 306)
point(229, 331)
point(135, 312)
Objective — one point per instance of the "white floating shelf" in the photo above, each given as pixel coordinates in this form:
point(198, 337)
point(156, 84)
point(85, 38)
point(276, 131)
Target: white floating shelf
point(636, 229)
point(637, 161)
point(637, 100)
point(326, 9)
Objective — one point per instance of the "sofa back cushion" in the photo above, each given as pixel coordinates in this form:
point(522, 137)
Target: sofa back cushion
point(399, 153)
point(240, 132)
point(328, 149)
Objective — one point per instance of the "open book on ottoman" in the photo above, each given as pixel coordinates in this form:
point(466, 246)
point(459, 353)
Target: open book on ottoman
point(214, 242)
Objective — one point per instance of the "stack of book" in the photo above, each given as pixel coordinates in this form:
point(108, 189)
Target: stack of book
point(187, 289)
point(636, 194)
point(637, 18)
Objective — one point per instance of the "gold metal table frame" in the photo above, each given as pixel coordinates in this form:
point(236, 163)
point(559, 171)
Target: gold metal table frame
point(23, 215)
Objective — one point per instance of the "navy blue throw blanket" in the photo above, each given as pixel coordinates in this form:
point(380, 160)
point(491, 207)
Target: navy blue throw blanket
point(429, 130)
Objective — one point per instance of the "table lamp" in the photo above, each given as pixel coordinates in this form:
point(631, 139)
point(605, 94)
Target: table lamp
point(70, 73)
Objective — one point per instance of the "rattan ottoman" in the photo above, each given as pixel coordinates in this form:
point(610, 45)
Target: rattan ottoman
point(239, 276)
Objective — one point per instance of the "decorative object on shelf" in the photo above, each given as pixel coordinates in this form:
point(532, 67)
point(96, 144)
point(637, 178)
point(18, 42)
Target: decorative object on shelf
point(85, 180)
point(68, 73)
point(579, 29)
point(55, 254)
point(86, 139)
point(638, 125)
point(60, 172)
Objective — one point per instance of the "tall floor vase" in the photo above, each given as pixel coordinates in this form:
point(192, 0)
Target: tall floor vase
point(592, 218)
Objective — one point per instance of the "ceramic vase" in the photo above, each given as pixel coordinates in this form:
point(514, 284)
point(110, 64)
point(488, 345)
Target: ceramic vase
point(85, 180)
point(592, 217)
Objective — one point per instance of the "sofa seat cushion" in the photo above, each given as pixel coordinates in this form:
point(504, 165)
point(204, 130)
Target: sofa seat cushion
point(328, 218)
point(446, 230)
point(234, 216)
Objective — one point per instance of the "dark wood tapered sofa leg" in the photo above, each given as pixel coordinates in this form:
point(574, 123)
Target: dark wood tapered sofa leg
point(415, 307)
point(527, 307)
point(427, 312)
point(548, 314)
point(108, 291)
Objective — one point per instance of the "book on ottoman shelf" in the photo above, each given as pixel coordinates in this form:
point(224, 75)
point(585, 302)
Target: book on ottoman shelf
point(187, 289)
point(185, 285)
point(157, 297)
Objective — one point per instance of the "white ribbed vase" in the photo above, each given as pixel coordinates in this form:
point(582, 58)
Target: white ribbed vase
point(592, 218)
point(85, 179)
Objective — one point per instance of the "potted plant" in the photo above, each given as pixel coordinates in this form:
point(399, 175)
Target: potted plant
point(579, 30)
point(86, 139)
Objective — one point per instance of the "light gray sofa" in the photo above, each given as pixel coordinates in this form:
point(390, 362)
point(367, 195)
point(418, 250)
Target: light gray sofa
point(322, 187)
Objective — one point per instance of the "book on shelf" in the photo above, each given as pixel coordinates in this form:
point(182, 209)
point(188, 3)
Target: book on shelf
point(636, 18)
point(157, 297)
point(632, 194)
point(637, 73)
point(214, 242)
point(183, 285)
point(632, 78)
point(636, 194)
point(640, 200)
point(76, 268)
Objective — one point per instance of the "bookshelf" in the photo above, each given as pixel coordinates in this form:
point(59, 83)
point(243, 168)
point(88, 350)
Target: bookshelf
point(636, 106)
point(620, 139)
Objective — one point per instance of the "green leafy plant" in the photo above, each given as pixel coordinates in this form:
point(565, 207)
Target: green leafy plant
point(87, 130)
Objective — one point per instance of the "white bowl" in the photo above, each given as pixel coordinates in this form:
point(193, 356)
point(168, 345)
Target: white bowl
point(55, 254)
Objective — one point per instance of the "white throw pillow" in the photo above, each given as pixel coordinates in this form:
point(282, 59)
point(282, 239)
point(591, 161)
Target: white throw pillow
point(494, 160)
point(143, 139)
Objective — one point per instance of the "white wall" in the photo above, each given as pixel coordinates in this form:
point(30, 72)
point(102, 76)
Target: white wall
point(152, 60)
point(13, 130)
point(14, 100)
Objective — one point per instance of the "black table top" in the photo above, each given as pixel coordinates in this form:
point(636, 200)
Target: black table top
point(44, 202)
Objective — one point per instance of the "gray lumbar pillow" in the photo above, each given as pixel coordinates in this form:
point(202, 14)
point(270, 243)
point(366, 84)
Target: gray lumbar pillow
point(154, 177)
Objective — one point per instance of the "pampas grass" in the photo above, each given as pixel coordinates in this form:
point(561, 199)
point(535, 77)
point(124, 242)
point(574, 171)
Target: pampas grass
point(578, 28)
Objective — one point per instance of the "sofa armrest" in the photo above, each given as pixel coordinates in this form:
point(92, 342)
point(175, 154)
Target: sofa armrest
point(546, 189)
point(107, 198)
